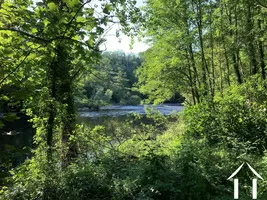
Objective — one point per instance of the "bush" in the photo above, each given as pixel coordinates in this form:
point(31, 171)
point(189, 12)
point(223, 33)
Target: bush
point(154, 158)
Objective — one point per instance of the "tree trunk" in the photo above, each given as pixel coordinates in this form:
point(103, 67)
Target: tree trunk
point(225, 49)
point(204, 65)
point(212, 51)
point(192, 62)
point(52, 74)
point(235, 48)
point(250, 39)
point(69, 150)
point(261, 49)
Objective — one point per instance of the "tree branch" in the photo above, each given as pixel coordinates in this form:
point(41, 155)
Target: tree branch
point(16, 68)
point(261, 4)
point(74, 16)
point(44, 39)
point(25, 33)
point(52, 39)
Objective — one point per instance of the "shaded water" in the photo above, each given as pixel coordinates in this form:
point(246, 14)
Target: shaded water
point(16, 141)
point(16, 138)
point(20, 133)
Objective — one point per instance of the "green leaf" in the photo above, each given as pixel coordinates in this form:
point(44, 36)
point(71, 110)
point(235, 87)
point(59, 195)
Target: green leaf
point(52, 6)
point(1, 124)
point(76, 37)
point(107, 8)
point(10, 117)
point(34, 30)
point(90, 11)
point(46, 22)
point(90, 42)
point(80, 19)
point(5, 98)
point(71, 3)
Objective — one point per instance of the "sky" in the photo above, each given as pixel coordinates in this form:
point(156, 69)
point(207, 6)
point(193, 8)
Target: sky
point(123, 42)
point(113, 44)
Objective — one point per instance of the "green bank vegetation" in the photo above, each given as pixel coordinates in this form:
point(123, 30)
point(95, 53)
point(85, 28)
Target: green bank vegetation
point(110, 81)
point(212, 52)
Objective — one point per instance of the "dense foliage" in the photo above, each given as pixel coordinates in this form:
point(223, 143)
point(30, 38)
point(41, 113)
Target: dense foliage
point(200, 47)
point(188, 156)
point(110, 81)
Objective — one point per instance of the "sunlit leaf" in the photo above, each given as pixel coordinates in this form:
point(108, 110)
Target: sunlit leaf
point(52, 6)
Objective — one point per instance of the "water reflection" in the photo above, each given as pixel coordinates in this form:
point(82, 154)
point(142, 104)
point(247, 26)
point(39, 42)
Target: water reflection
point(115, 111)
point(16, 138)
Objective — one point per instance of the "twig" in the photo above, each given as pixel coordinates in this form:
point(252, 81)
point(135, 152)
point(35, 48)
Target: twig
point(17, 67)
point(262, 4)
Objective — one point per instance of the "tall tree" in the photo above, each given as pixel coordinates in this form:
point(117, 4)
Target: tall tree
point(49, 44)
point(220, 43)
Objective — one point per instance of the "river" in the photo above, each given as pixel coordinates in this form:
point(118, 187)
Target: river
point(115, 111)
point(19, 133)
point(16, 138)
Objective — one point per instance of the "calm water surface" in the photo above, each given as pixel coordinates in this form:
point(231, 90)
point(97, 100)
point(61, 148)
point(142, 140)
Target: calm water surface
point(20, 133)
point(16, 138)
point(114, 111)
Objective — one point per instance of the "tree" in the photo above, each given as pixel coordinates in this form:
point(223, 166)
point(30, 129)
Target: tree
point(109, 81)
point(216, 44)
point(46, 45)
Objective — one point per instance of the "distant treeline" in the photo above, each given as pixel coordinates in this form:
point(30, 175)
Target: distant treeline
point(113, 80)
point(110, 81)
